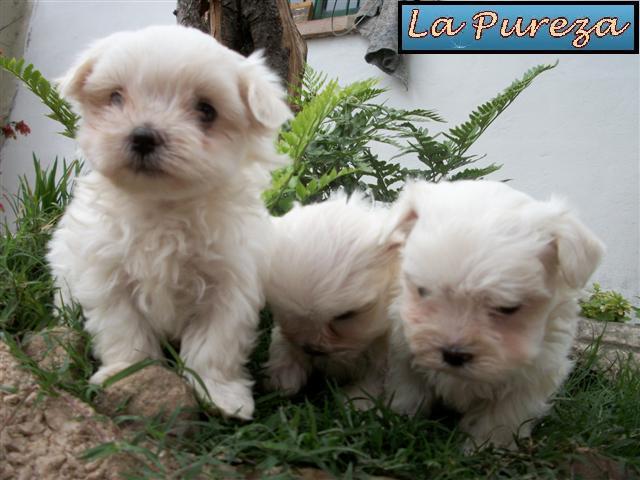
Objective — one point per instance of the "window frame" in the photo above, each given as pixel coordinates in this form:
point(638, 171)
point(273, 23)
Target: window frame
point(325, 26)
point(322, 9)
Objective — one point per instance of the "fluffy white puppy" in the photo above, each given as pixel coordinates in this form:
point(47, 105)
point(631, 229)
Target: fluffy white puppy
point(167, 236)
point(487, 310)
point(333, 266)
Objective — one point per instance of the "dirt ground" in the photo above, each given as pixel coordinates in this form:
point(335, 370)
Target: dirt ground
point(44, 436)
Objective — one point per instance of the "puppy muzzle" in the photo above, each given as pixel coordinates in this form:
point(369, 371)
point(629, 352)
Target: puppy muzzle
point(145, 143)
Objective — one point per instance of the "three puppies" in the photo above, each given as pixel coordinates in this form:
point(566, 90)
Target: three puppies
point(329, 289)
point(165, 238)
point(487, 310)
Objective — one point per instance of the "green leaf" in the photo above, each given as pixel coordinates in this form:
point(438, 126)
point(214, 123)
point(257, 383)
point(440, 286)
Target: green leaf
point(301, 191)
point(61, 111)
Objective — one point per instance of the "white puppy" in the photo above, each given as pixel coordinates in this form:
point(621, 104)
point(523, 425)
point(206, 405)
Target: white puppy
point(487, 311)
point(167, 236)
point(329, 289)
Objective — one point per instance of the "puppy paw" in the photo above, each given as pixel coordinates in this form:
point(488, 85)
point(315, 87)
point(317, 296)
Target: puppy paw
point(358, 397)
point(287, 379)
point(498, 437)
point(107, 371)
point(471, 446)
point(360, 402)
point(233, 399)
point(407, 405)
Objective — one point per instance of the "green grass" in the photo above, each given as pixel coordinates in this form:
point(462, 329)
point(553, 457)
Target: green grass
point(595, 420)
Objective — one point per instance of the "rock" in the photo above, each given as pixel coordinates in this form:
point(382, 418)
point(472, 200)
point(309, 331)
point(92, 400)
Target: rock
point(616, 339)
point(44, 436)
point(149, 392)
point(49, 347)
point(589, 464)
point(312, 474)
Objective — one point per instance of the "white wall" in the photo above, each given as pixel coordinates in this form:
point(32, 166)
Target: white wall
point(59, 30)
point(574, 132)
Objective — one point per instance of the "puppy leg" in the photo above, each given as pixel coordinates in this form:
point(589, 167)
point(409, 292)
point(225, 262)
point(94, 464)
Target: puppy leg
point(370, 384)
point(499, 423)
point(408, 390)
point(361, 393)
point(217, 348)
point(288, 367)
point(409, 393)
point(121, 337)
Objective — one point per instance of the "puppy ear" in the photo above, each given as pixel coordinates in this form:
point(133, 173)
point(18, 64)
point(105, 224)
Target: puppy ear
point(72, 84)
point(262, 93)
point(403, 217)
point(579, 250)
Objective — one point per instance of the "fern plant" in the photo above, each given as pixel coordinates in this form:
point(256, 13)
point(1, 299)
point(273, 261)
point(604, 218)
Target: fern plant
point(444, 159)
point(331, 140)
point(61, 111)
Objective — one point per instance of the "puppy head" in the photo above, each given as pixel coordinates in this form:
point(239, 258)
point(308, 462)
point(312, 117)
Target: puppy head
point(168, 110)
point(483, 266)
point(330, 276)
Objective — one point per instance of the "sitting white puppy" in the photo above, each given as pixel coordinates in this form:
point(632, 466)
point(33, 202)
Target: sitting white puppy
point(166, 237)
point(328, 291)
point(488, 310)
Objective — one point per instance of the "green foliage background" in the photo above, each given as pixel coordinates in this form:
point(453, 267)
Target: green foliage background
point(331, 140)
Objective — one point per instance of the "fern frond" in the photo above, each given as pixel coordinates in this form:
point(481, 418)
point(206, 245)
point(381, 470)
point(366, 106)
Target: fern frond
point(312, 83)
point(61, 110)
point(465, 134)
point(330, 142)
point(475, 173)
point(304, 126)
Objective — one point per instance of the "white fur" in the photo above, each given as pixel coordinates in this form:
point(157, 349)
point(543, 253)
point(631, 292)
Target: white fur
point(179, 253)
point(331, 258)
point(475, 247)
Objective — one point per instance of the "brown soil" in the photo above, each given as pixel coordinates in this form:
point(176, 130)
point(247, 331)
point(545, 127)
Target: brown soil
point(44, 437)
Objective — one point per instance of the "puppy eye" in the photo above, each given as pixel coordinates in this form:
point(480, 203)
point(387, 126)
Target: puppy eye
point(116, 99)
point(508, 310)
point(345, 315)
point(207, 113)
point(423, 292)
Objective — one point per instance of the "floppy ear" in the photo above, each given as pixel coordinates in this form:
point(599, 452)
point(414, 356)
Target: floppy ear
point(403, 216)
point(262, 93)
point(579, 250)
point(71, 85)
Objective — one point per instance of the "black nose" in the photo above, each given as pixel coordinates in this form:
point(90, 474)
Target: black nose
point(144, 140)
point(309, 350)
point(456, 357)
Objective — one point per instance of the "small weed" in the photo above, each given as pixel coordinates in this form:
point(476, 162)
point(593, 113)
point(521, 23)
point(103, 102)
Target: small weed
point(606, 305)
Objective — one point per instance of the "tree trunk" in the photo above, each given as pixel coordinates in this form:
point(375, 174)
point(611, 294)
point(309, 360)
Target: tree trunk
point(249, 25)
point(192, 13)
